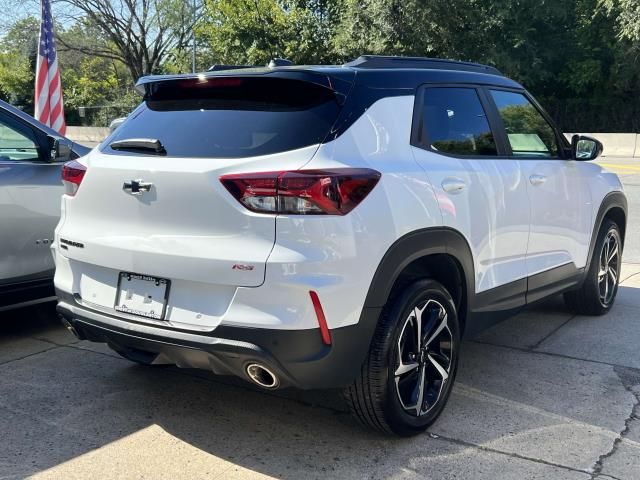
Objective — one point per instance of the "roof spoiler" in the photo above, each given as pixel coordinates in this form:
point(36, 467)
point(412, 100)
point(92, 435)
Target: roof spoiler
point(341, 86)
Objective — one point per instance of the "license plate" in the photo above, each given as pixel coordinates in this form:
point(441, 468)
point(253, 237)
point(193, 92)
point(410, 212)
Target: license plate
point(142, 295)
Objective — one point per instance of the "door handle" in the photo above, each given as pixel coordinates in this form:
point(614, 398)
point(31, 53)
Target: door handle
point(453, 185)
point(537, 179)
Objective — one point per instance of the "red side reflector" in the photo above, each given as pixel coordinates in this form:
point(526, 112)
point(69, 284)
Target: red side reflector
point(322, 321)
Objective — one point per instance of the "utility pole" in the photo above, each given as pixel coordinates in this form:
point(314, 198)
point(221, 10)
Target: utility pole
point(193, 38)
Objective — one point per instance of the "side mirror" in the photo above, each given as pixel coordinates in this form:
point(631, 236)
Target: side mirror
point(60, 149)
point(584, 147)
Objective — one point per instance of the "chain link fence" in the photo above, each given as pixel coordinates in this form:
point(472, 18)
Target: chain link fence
point(96, 115)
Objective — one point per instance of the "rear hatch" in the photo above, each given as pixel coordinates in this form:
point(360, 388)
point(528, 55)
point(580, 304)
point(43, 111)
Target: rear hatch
point(151, 201)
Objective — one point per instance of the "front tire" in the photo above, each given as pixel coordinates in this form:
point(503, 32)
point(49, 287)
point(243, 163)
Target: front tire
point(598, 292)
point(407, 376)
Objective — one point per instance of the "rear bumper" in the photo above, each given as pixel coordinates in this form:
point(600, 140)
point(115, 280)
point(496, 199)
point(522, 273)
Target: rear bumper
point(297, 357)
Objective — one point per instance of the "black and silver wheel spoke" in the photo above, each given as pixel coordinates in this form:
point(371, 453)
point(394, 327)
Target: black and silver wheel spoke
point(424, 358)
point(608, 271)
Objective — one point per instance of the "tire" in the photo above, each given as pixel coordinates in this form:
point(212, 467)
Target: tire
point(373, 398)
point(594, 297)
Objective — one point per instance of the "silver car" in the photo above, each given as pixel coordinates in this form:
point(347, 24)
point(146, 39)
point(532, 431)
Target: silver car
point(31, 157)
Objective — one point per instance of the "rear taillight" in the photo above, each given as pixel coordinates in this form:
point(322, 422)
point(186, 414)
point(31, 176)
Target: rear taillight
point(302, 192)
point(72, 175)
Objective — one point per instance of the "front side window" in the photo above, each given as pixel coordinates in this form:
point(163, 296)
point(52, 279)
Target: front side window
point(454, 122)
point(14, 145)
point(529, 134)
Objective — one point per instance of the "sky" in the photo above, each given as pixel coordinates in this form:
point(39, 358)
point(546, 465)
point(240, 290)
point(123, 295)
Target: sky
point(14, 10)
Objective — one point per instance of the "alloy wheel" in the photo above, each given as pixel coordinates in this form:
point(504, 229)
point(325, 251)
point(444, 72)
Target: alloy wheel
point(608, 271)
point(424, 358)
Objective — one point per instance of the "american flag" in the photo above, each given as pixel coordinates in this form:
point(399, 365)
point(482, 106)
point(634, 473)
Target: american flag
point(48, 103)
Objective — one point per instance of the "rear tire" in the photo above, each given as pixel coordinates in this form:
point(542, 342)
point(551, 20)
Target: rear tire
point(598, 292)
point(406, 379)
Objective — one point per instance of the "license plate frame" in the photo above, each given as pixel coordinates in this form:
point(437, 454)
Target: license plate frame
point(145, 278)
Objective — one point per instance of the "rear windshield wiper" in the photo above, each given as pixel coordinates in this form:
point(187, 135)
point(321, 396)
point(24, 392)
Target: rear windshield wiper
point(151, 145)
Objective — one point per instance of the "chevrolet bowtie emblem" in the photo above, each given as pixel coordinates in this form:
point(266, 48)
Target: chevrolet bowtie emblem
point(137, 187)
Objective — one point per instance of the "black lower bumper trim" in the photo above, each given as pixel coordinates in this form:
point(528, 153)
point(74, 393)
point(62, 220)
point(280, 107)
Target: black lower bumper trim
point(25, 292)
point(297, 357)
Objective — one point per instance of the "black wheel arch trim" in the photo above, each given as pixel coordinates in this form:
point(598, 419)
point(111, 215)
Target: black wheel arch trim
point(413, 246)
point(476, 310)
point(611, 201)
point(447, 241)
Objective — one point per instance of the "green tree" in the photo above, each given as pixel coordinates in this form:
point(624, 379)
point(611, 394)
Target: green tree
point(22, 37)
point(16, 80)
point(456, 29)
point(627, 15)
point(18, 52)
point(255, 31)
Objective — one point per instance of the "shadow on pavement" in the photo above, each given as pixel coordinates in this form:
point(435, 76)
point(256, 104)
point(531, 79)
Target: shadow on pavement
point(28, 320)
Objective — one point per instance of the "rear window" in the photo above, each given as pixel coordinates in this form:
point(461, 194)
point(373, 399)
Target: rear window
point(231, 117)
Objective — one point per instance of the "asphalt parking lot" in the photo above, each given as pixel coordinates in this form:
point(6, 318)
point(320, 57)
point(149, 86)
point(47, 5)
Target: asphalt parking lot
point(543, 395)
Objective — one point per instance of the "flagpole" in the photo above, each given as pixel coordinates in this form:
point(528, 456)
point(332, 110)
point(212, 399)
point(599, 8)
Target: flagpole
point(193, 38)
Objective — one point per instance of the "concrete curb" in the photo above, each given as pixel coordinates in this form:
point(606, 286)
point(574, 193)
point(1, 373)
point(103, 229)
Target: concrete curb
point(87, 134)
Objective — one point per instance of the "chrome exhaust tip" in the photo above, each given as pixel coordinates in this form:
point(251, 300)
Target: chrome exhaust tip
point(261, 375)
point(71, 328)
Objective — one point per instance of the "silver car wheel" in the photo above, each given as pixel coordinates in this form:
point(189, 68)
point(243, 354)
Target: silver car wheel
point(608, 272)
point(424, 358)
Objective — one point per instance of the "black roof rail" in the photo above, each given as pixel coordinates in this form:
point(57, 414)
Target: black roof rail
point(381, 62)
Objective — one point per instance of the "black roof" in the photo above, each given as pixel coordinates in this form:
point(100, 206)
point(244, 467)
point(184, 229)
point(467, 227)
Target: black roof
point(371, 70)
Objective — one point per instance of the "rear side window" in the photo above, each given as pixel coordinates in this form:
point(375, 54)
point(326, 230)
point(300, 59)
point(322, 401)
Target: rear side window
point(528, 132)
point(454, 122)
point(231, 117)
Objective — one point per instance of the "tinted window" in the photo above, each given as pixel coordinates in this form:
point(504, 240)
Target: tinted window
point(230, 117)
point(455, 122)
point(528, 132)
point(14, 145)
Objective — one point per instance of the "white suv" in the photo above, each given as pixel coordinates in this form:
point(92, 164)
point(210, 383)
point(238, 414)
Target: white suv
point(332, 226)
